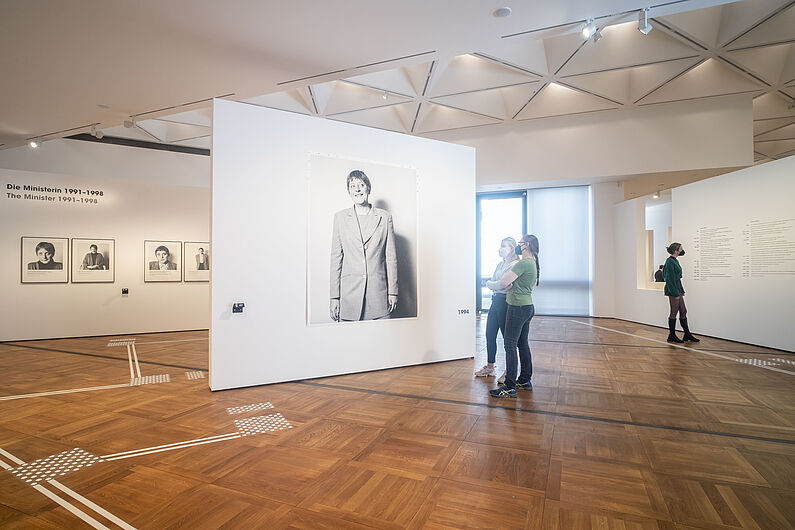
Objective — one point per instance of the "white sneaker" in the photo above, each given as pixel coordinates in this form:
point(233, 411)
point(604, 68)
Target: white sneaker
point(486, 371)
point(501, 379)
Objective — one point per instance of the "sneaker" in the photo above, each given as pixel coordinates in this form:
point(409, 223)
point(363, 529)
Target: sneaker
point(503, 392)
point(501, 379)
point(486, 371)
point(527, 385)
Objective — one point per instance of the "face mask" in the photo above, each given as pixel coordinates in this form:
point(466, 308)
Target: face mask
point(504, 253)
point(518, 250)
point(682, 252)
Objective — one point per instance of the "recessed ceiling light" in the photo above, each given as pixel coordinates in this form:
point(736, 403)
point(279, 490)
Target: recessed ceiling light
point(502, 12)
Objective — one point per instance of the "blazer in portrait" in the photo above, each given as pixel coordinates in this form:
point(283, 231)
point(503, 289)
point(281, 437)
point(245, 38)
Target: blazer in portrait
point(155, 266)
point(363, 267)
point(203, 266)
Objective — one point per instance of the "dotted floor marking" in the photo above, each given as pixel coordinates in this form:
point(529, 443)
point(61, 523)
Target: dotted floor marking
point(198, 374)
point(262, 424)
point(55, 466)
point(120, 342)
point(248, 408)
point(150, 380)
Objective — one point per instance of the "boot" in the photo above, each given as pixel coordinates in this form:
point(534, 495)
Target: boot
point(688, 336)
point(672, 331)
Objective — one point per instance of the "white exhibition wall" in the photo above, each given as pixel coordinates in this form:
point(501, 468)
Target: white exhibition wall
point(260, 221)
point(738, 231)
point(145, 195)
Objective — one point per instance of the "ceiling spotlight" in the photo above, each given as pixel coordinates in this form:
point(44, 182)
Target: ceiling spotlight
point(129, 124)
point(96, 133)
point(385, 95)
point(34, 143)
point(656, 195)
point(643, 21)
point(597, 35)
point(502, 12)
point(589, 28)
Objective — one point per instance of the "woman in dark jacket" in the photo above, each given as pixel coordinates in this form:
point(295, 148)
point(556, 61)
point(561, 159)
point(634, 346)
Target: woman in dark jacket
point(672, 273)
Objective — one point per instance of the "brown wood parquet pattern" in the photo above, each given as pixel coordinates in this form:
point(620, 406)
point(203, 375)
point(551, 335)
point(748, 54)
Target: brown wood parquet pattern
point(618, 433)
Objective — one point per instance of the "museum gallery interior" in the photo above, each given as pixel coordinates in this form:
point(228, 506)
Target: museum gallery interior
point(269, 265)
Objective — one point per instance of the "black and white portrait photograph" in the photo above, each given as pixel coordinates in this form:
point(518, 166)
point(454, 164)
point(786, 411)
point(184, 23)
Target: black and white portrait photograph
point(93, 260)
point(45, 260)
point(362, 252)
point(197, 261)
point(162, 261)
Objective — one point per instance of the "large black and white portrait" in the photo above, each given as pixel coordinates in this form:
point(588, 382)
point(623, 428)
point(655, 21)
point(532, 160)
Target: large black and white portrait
point(197, 261)
point(93, 260)
point(362, 252)
point(162, 261)
point(45, 260)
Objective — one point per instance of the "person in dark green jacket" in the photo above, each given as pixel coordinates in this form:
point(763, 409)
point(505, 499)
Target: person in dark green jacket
point(672, 274)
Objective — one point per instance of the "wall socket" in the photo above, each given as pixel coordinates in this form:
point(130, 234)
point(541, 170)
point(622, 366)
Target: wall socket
point(237, 307)
point(125, 291)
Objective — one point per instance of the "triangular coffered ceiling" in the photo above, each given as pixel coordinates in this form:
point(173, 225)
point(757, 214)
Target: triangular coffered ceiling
point(735, 48)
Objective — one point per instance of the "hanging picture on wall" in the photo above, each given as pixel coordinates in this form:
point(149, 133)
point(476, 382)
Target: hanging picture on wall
point(162, 261)
point(93, 260)
point(362, 252)
point(196, 264)
point(45, 260)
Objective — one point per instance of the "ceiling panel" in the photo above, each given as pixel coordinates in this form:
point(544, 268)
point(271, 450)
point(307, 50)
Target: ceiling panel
point(645, 79)
point(557, 100)
point(786, 132)
point(466, 73)
point(768, 62)
point(295, 100)
point(398, 118)
point(710, 78)
point(764, 126)
point(623, 46)
point(774, 30)
point(502, 103)
point(434, 117)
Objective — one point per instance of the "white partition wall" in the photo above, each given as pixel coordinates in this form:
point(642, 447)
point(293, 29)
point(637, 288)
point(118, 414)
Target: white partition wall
point(738, 231)
point(271, 249)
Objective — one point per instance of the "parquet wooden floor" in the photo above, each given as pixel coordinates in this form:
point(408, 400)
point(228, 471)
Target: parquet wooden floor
point(621, 431)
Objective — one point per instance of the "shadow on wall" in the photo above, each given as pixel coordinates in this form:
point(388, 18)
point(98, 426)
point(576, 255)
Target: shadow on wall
point(407, 271)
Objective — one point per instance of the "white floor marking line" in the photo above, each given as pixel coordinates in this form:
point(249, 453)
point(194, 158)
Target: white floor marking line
point(56, 392)
point(135, 356)
point(249, 408)
point(76, 511)
point(683, 347)
point(129, 358)
point(66, 504)
point(219, 436)
point(99, 509)
point(232, 437)
point(165, 341)
point(12, 457)
point(198, 374)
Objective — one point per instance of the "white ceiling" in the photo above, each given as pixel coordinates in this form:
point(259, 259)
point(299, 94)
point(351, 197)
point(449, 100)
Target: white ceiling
point(457, 67)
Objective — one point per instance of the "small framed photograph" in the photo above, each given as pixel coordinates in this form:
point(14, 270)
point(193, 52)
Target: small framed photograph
point(162, 261)
point(93, 260)
point(45, 260)
point(196, 261)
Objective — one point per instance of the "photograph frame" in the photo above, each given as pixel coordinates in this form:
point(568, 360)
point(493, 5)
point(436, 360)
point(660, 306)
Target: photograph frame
point(27, 253)
point(77, 275)
point(152, 275)
point(194, 274)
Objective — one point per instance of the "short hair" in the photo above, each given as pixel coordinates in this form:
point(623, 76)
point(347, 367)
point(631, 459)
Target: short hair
point(164, 248)
point(510, 240)
point(46, 245)
point(200, 248)
point(93, 246)
point(358, 174)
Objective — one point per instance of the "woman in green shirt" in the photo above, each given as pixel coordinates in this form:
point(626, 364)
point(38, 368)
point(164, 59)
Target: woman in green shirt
point(672, 274)
point(519, 283)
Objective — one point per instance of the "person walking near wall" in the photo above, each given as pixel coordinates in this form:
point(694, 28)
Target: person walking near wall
point(672, 273)
point(496, 320)
point(519, 283)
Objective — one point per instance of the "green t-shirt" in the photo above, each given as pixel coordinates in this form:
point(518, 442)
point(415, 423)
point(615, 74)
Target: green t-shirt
point(522, 291)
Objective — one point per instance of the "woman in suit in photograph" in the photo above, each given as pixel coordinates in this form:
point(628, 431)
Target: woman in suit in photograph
point(364, 284)
point(163, 262)
point(45, 251)
point(202, 261)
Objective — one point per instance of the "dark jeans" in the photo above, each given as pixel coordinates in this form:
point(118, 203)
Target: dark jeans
point(494, 323)
point(517, 327)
